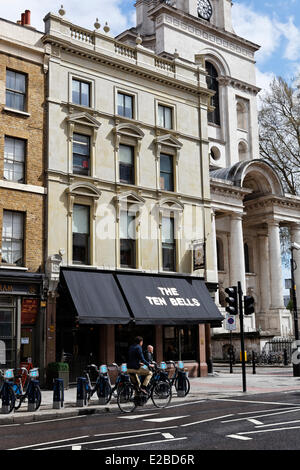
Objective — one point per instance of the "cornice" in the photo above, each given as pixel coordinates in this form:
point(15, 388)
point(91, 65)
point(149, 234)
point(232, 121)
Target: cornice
point(238, 84)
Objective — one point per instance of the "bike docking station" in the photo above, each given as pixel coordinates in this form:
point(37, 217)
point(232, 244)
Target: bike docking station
point(103, 385)
point(58, 394)
point(181, 390)
point(6, 407)
point(81, 397)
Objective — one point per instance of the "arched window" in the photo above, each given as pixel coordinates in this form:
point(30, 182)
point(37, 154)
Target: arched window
point(241, 116)
point(220, 255)
point(212, 84)
point(243, 151)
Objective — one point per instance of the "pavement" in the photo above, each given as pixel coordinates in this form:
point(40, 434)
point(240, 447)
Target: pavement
point(220, 384)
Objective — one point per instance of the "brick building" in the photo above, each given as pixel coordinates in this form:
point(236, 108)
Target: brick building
point(22, 193)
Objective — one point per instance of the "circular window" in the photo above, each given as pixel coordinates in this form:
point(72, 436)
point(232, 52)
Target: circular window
point(215, 153)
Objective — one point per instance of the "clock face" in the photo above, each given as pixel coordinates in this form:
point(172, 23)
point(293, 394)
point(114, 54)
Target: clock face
point(204, 9)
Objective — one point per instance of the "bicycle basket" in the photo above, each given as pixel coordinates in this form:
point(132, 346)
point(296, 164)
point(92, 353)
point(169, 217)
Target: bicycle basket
point(180, 365)
point(103, 369)
point(33, 373)
point(124, 368)
point(163, 365)
point(9, 374)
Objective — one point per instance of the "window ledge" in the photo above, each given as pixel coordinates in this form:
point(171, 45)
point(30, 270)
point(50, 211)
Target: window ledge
point(16, 111)
point(13, 267)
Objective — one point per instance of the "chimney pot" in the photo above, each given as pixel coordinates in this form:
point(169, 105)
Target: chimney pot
point(27, 17)
point(22, 19)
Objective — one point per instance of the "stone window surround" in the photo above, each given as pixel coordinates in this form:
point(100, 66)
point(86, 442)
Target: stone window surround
point(134, 95)
point(86, 79)
point(167, 104)
point(169, 145)
point(166, 207)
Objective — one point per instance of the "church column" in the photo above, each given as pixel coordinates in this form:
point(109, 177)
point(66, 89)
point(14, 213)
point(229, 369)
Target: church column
point(214, 251)
point(276, 287)
point(237, 258)
point(264, 271)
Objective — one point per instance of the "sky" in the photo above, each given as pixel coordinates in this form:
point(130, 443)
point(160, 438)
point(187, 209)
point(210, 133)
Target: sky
point(273, 24)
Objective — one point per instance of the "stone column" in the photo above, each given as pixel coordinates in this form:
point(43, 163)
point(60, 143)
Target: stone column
point(295, 238)
point(276, 287)
point(214, 251)
point(237, 258)
point(264, 272)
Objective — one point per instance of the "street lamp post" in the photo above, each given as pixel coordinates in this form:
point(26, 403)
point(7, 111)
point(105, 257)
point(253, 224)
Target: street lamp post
point(295, 246)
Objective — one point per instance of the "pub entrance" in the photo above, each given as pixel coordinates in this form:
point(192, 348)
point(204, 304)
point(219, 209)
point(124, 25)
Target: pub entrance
point(124, 337)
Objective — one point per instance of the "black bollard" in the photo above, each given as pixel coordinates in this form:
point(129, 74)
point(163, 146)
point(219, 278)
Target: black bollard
point(253, 362)
point(81, 399)
point(285, 357)
point(58, 394)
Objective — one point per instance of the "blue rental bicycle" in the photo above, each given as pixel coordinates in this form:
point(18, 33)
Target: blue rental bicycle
point(102, 386)
point(7, 394)
point(30, 390)
point(179, 379)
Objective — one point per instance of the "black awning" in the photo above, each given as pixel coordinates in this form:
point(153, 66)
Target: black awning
point(97, 298)
point(158, 300)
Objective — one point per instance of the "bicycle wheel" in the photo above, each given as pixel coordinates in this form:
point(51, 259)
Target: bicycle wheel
point(125, 398)
point(186, 386)
point(11, 398)
point(161, 394)
point(106, 393)
point(37, 397)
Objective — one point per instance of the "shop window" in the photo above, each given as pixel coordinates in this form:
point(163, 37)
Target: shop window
point(180, 343)
point(15, 90)
point(13, 238)
point(81, 234)
point(125, 105)
point(80, 92)
point(14, 159)
point(212, 84)
point(168, 244)
point(126, 164)
point(81, 154)
point(127, 239)
point(165, 118)
point(166, 172)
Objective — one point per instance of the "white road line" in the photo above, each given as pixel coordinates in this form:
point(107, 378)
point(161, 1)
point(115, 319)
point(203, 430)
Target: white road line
point(135, 430)
point(254, 401)
point(264, 411)
point(187, 403)
point(278, 424)
point(242, 438)
point(262, 416)
point(137, 416)
point(268, 430)
point(54, 420)
point(144, 443)
point(51, 442)
point(76, 447)
point(254, 421)
point(206, 420)
point(167, 435)
point(162, 420)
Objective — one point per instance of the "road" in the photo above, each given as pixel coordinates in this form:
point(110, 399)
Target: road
point(252, 422)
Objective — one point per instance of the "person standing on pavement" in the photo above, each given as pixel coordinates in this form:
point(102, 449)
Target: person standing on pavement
point(135, 362)
point(149, 353)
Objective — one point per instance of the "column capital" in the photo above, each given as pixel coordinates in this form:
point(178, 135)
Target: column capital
point(273, 223)
point(236, 216)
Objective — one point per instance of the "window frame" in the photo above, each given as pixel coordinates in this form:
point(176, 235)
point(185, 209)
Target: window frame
point(17, 92)
point(88, 137)
point(124, 95)
point(213, 117)
point(5, 159)
point(12, 240)
point(132, 242)
point(132, 166)
point(81, 81)
point(172, 245)
point(165, 106)
point(172, 173)
point(87, 260)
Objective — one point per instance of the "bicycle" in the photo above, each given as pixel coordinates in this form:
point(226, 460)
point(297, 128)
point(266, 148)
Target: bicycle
point(102, 385)
point(179, 379)
point(7, 394)
point(32, 389)
point(129, 395)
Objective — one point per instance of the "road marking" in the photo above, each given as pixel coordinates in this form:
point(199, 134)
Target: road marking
point(144, 443)
point(167, 435)
point(279, 424)
point(254, 421)
point(205, 420)
point(137, 416)
point(50, 442)
point(76, 447)
point(187, 403)
point(264, 411)
point(162, 420)
point(54, 420)
point(135, 430)
point(262, 416)
point(269, 430)
point(254, 401)
point(242, 438)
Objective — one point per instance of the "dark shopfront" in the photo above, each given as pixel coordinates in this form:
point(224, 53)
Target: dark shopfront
point(21, 318)
point(100, 312)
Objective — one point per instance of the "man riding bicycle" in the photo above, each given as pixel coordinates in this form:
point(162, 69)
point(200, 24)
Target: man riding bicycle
point(135, 359)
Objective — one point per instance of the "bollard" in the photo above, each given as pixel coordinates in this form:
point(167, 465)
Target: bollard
point(285, 357)
point(58, 394)
point(5, 394)
point(253, 362)
point(31, 395)
point(81, 399)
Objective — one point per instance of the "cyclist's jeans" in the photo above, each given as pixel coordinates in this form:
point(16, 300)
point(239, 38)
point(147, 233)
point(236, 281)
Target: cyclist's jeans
point(141, 371)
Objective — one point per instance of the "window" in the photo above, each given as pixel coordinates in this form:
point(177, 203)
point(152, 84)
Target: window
point(180, 342)
point(165, 117)
point(126, 164)
point(166, 172)
point(125, 105)
point(81, 154)
point(15, 90)
point(14, 159)
point(127, 240)
point(247, 255)
point(168, 244)
point(12, 238)
point(80, 92)
point(81, 234)
point(212, 84)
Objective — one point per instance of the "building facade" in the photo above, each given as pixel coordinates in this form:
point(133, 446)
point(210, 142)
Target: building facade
point(22, 194)
point(128, 199)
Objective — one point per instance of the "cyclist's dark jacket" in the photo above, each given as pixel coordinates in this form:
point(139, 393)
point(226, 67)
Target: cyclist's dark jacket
point(135, 356)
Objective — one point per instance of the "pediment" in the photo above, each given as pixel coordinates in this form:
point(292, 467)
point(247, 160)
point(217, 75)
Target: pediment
point(84, 189)
point(129, 130)
point(130, 197)
point(84, 119)
point(168, 140)
point(171, 204)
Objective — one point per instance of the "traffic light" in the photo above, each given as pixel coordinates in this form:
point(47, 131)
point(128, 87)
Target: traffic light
point(248, 305)
point(232, 300)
